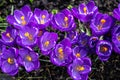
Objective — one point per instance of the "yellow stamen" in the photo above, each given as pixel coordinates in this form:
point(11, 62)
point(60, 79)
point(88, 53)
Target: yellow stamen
point(26, 34)
point(66, 22)
point(8, 34)
point(42, 22)
point(23, 20)
point(28, 58)
point(43, 16)
point(66, 19)
point(80, 68)
point(78, 55)
point(10, 60)
point(29, 36)
point(103, 49)
point(85, 10)
point(47, 43)
point(118, 38)
point(60, 51)
point(102, 21)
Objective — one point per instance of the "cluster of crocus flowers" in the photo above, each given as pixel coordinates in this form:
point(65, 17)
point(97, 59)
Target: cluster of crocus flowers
point(28, 30)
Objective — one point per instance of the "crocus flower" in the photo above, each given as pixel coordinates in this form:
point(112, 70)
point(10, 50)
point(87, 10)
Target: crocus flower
point(63, 21)
point(29, 59)
point(28, 36)
point(103, 50)
point(116, 38)
point(20, 17)
point(9, 63)
point(47, 42)
point(80, 68)
point(79, 52)
point(73, 36)
point(41, 18)
point(116, 13)
point(62, 54)
point(101, 24)
point(93, 41)
point(9, 36)
point(85, 12)
point(83, 40)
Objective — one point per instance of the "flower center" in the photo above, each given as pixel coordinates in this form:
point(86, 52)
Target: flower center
point(28, 58)
point(102, 22)
point(23, 20)
point(80, 68)
point(29, 36)
point(118, 38)
point(10, 60)
point(78, 55)
point(60, 51)
point(8, 35)
point(47, 43)
point(103, 49)
point(42, 21)
point(66, 21)
point(85, 10)
point(40, 33)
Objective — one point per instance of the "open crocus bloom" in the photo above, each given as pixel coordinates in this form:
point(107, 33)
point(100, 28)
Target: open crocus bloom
point(80, 68)
point(47, 42)
point(73, 36)
point(83, 40)
point(85, 12)
point(29, 59)
point(101, 24)
point(103, 50)
point(20, 17)
point(9, 63)
point(41, 18)
point(62, 54)
point(79, 52)
point(116, 39)
point(9, 36)
point(63, 21)
point(28, 36)
point(93, 41)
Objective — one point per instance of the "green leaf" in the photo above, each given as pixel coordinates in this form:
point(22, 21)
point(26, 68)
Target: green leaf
point(54, 11)
point(31, 1)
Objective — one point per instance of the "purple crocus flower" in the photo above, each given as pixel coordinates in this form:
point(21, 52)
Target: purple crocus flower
point(93, 41)
point(103, 50)
point(116, 13)
point(29, 59)
point(101, 24)
point(9, 36)
point(62, 54)
point(116, 39)
point(73, 36)
point(41, 18)
point(47, 42)
point(80, 68)
point(85, 12)
point(9, 63)
point(63, 21)
point(83, 40)
point(79, 52)
point(20, 17)
point(28, 36)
